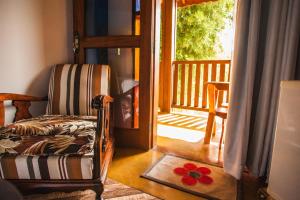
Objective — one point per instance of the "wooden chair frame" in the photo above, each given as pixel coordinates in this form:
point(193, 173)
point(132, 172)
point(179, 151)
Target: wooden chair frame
point(212, 88)
point(103, 147)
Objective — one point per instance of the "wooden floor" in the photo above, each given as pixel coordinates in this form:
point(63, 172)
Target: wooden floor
point(129, 164)
point(173, 138)
point(193, 121)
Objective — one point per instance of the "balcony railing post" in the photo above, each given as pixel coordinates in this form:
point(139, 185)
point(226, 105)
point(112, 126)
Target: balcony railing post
point(175, 83)
point(189, 91)
point(197, 84)
point(182, 87)
point(204, 89)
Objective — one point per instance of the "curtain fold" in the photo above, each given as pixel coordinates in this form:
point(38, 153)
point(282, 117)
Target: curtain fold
point(266, 51)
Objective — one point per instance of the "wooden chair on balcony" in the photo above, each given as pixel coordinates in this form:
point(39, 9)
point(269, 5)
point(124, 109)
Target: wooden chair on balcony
point(216, 108)
point(71, 146)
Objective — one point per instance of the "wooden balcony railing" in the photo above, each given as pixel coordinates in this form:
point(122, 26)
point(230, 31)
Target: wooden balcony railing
point(189, 78)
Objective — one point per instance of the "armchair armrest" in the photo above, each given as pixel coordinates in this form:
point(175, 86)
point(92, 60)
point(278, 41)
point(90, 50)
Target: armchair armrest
point(21, 102)
point(99, 102)
point(103, 131)
point(20, 97)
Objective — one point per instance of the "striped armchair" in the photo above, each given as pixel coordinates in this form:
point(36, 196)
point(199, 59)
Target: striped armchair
point(70, 147)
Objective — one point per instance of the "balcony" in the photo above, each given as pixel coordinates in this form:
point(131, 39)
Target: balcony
point(184, 127)
point(183, 99)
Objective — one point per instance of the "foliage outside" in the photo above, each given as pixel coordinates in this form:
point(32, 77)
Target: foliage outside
point(200, 29)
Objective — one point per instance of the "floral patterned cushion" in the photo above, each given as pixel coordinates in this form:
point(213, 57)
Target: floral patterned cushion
point(49, 135)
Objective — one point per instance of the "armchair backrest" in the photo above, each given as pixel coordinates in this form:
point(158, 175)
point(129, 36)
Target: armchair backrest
point(73, 86)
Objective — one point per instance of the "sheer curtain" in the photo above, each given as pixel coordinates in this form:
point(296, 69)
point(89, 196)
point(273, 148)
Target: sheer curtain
point(266, 51)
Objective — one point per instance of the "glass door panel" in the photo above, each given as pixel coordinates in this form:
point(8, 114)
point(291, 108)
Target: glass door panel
point(124, 63)
point(121, 33)
point(112, 17)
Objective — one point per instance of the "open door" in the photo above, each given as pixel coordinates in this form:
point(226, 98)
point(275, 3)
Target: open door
point(122, 35)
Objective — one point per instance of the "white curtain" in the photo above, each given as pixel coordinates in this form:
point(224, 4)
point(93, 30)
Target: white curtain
point(266, 51)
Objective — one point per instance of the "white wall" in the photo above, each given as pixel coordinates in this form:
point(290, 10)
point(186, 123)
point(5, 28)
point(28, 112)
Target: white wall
point(34, 35)
point(58, 31)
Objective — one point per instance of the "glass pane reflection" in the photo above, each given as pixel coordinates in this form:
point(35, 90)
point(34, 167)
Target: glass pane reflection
point(124, 63)
point(112, 17)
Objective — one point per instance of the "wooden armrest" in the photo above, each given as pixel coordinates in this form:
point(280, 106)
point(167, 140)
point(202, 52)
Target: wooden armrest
point(99, 101)
point(20, 97)
point(22, 104)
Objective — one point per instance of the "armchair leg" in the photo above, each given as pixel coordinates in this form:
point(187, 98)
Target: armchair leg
point(99, 189)
point(99, 197)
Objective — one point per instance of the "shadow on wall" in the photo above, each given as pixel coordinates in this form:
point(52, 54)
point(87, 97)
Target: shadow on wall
point(39, 85)
point(28, 53)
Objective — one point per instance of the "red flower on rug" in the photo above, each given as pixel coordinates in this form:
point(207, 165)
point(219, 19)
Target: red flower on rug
point(191, 174)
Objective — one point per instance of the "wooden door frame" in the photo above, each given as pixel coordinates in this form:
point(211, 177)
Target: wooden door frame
point(145, 136)
point(167, 53)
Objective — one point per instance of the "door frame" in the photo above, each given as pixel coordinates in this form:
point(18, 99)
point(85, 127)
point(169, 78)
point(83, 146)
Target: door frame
point(169, 9)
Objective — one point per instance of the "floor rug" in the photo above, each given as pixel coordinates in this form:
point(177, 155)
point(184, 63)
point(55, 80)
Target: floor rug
point(113, 190)
point(193, 177)
point(116, 191)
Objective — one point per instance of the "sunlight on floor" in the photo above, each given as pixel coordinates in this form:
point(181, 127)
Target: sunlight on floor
point(180, 133)
point(185, 127)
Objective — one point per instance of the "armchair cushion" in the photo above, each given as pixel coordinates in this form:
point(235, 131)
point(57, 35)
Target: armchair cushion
point(72, 88)
point(48, 147)
point(49, 135)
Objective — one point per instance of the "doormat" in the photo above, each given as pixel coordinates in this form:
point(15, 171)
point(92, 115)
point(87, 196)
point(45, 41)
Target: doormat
point(113, 190)
point(193, 177)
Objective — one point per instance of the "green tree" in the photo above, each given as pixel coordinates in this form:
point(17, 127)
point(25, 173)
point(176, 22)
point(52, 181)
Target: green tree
point(198, 27)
